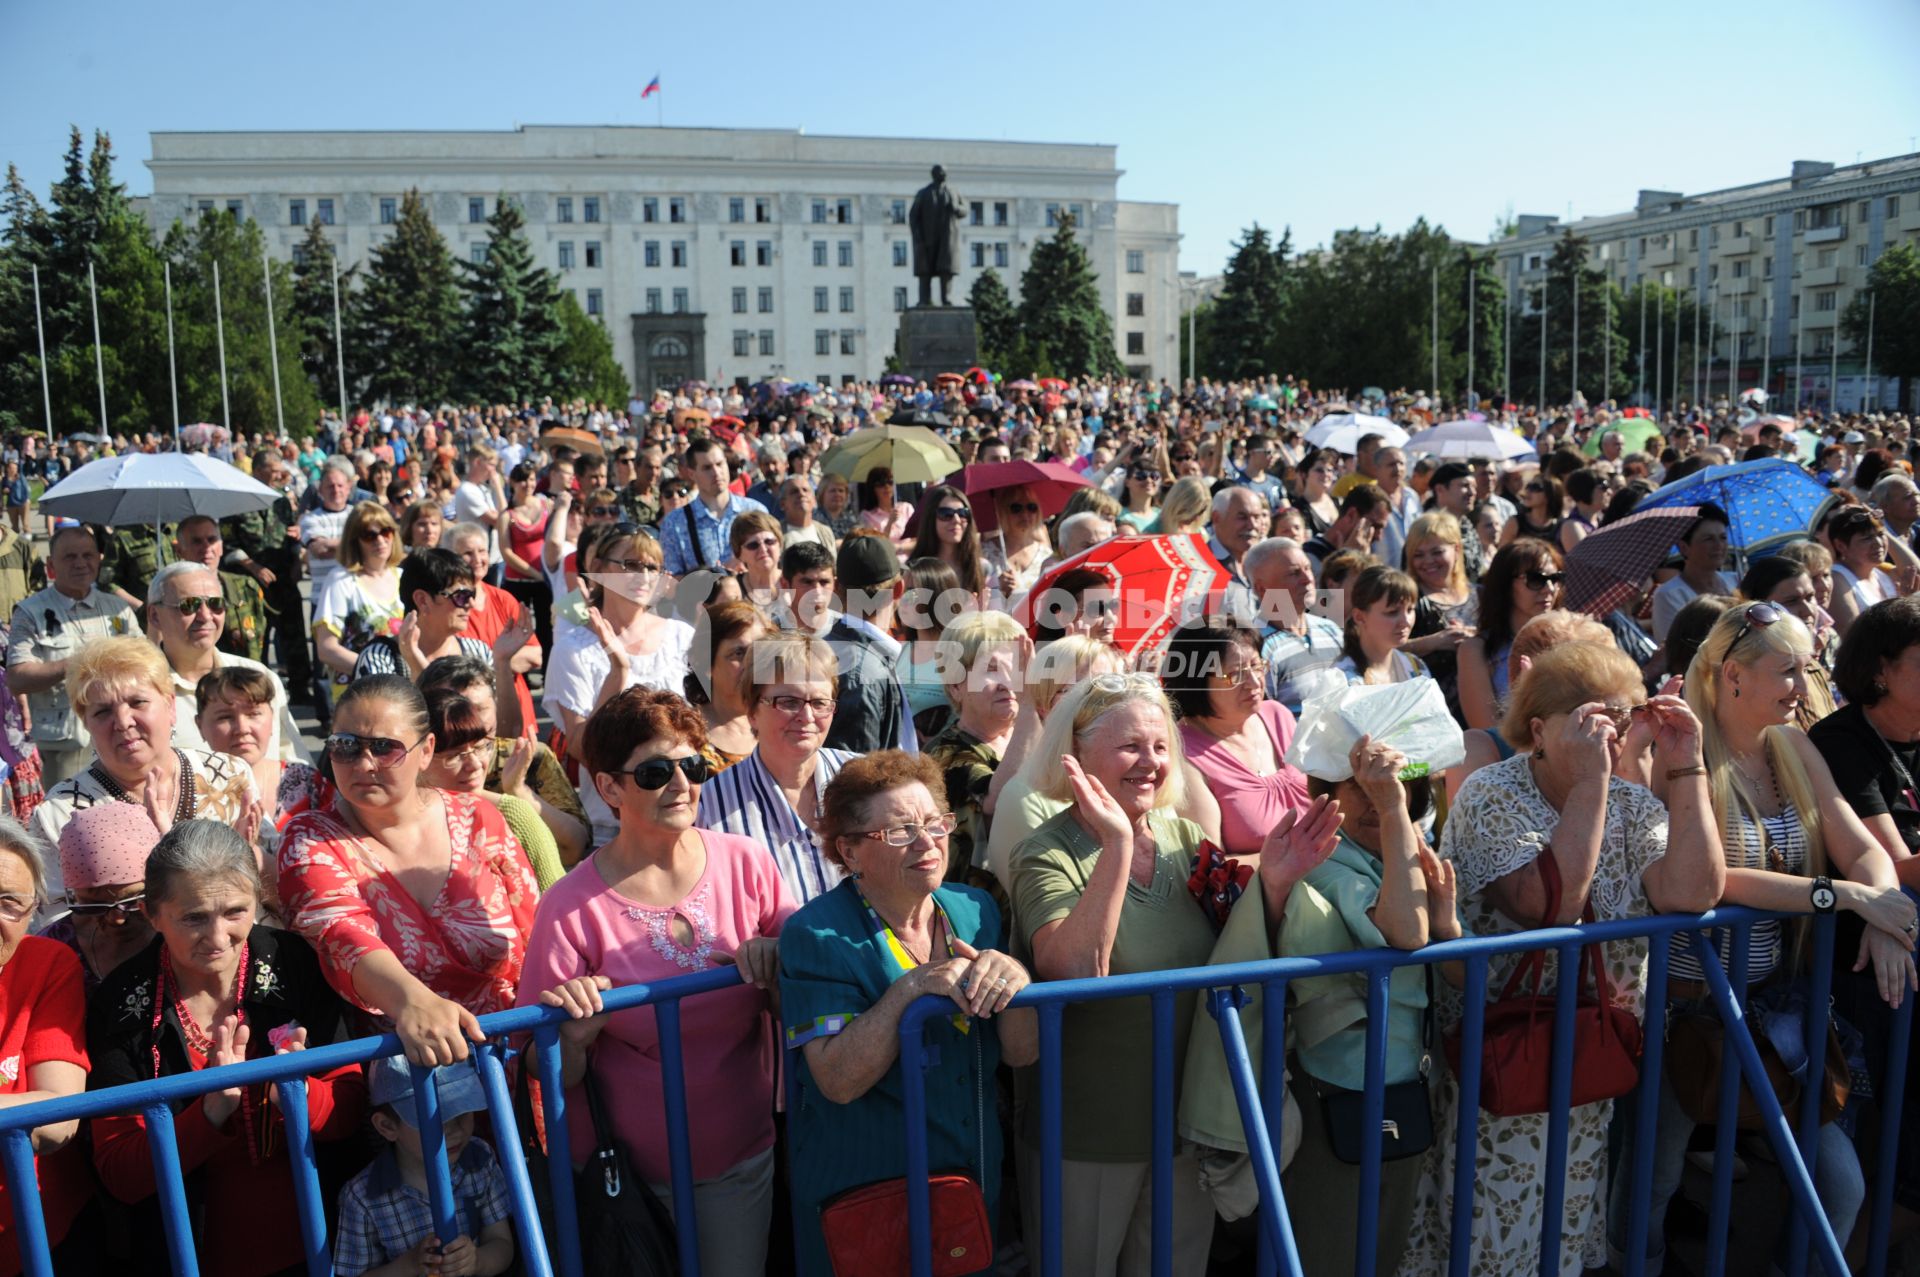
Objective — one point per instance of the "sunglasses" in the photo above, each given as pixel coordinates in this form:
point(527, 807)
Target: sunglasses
point(631, 565)
point(126, 907)
point(1536, 487)
point(952, 513)
point(1023, 507)
point(1758, 614)
point(656, 772)
point(194, 602)
point(460, 596)
point(374, 534)
point(345, 747)
point(1541, 580)
point(1142, 475)
point(603, 511)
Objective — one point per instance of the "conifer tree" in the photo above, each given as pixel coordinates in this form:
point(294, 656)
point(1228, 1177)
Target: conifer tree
point(1066, 328)
point(406, 329)
point(515, 337)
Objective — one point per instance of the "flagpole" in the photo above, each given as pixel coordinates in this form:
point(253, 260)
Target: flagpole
point(40, 328)
point(1543, 345)
point(1766, 351)
point(1799, 352)
point(1833, 371)
point(1575, 395)
point(173, 376)
point(1640, 384)
point(1660, 350)
point(99, 360)
point(1473, 282)
point(1434, 343)
point(339, 346)
point(220, 330)
point(1606, 332)
point(273, 342)
point(1506, 345)
point(1866, 389)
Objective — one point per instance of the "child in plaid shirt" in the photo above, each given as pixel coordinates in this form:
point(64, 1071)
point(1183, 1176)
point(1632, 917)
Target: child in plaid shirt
point(386, 1221)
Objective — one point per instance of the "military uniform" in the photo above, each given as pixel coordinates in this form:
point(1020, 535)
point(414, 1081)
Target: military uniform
point(639, 507)
point(270, 539)
point(132, 558)
point(247, 612)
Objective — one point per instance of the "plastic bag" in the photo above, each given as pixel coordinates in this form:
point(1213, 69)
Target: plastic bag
point(1410, 717)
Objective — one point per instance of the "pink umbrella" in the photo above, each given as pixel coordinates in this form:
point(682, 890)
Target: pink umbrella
point(1052, 483)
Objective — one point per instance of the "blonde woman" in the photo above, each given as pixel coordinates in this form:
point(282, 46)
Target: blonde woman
point(1435, 557)
point(1188, 507)
point(1018, 548)
point(363, 602)
point(1784, 827)
point(983, 656)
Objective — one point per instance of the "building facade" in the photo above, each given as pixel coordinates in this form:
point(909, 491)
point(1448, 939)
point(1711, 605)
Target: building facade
point(721, 254)
point(1774, 263)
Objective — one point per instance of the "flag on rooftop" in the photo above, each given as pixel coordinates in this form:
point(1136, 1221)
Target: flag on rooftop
point(653, 87)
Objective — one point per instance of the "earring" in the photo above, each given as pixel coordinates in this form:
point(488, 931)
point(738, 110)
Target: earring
point(1736, 693)
point(1539, 755)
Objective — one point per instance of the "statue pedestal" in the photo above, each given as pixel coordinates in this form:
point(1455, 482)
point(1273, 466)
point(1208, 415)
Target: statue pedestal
point(936, 339)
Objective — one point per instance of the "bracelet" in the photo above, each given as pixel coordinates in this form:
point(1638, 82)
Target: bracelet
point(1675, 773)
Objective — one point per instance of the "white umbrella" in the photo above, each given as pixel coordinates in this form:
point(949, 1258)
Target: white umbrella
point(156, 488)
point(1342, 431)
point(1463, 440)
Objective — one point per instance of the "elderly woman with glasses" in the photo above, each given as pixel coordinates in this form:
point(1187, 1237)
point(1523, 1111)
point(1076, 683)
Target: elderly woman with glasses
point(416, 898)
point(122, 692)
point(666, 898)
point(853, 960)
point(623, 644)
point(43, 989)
point(789, 684)
point(103, 859)
point(1103, 889)
point(363, 601)
point(1785, 826)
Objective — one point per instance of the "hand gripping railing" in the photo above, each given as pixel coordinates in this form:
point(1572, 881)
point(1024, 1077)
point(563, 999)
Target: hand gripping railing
point(1261, 1106)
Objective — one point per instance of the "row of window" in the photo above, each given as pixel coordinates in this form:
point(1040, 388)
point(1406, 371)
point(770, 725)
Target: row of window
point(743, 342)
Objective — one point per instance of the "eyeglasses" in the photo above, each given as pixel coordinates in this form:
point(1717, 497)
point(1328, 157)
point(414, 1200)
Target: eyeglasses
point(819, 706)
point(954, 514)
point(374, 534)
point(346, 747)
point(761, 543)
point(1134, 682)
point(482, 748)
point(602, 511)
point(17, 908)
point(1252, 673)
point(1622, 716)
point(194, 602)
point(631, 565)
point(460, 596)
point(909, 834)
point(1541, 580)
point(656, 772)
point(1023, 507)
point(1758, 614)
point(126, 906)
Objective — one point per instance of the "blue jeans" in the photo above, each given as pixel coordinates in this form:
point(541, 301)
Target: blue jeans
point(1837, 1178)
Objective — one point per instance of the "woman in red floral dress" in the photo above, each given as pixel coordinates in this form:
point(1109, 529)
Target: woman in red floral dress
point(418, 900)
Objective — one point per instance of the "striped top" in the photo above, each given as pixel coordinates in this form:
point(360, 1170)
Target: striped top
point(745, 800)
point(1747, 848)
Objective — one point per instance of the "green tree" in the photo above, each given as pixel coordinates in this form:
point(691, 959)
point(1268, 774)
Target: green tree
point(514, 333)
point(240, 318)
point(314, 264)
point(1568, 276)
point(994, 320)
point(404, 343)
point(1066, 328)
point(1471, 286)
point(587, 366)
point(26, 238)
point(1196, 339)
point(1247, 314)
point(1894, 287)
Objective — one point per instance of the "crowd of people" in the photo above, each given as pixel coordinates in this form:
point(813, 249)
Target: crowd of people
point(606, 697)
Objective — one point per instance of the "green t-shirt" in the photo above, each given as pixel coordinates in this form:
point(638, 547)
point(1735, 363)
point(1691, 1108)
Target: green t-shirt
point(1106, 1051)
point(1329, 913)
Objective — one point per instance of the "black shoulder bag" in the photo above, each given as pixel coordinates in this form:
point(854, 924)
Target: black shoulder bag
point(1406, 1119)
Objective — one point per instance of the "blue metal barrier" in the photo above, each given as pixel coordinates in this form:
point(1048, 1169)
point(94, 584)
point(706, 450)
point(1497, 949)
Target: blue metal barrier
point(1261, 1106)
point(1377, 965)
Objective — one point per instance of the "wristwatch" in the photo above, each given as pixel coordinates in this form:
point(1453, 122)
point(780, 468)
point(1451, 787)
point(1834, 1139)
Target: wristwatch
point(1822, 895)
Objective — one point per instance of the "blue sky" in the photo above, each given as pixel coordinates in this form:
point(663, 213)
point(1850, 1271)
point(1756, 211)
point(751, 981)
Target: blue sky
point(1314, 115)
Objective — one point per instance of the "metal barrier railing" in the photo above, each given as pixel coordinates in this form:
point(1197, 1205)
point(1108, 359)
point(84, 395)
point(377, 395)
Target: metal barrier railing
point(1260, 1103)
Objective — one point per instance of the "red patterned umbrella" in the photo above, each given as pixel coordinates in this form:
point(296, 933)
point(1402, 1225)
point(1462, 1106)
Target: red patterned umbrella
point(1158, 583)
point(1052, 483)
point(1609, 566)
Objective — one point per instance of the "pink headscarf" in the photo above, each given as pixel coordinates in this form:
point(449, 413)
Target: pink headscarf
point(105, 844)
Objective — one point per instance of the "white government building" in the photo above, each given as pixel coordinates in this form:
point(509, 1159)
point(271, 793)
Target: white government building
point(722, 254)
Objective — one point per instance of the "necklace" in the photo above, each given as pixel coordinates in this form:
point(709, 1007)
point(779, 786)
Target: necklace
point(184, 805)
point(198, 1041)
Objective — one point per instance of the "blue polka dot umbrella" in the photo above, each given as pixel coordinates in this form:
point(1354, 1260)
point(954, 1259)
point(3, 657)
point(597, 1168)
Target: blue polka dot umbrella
point(1764, 500)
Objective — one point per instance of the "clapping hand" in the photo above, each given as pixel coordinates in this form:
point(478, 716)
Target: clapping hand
point(610, 642)
point(1101, 810)
point(514, 637)
point(230, 1038)
point(1443, 894)
point(1301, 839)
point(160, 796)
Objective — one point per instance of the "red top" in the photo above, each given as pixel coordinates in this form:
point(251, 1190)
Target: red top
point(525, 540)
point(493, 611)
point(43, 1012)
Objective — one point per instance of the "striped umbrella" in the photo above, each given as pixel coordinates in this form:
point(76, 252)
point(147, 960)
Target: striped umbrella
point(1610, 565)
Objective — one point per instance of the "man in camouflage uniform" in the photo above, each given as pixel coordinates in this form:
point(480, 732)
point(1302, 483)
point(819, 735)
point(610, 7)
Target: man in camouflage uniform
point(636, 475)
point(265, 546)
point(132, 557)
point(245, 632)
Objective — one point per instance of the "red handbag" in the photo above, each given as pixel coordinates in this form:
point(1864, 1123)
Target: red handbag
point(1516, 1049)
point(866, 1228)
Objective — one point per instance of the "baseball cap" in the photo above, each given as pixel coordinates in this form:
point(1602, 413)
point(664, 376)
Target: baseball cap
point(865, 562)
point(390, 1081)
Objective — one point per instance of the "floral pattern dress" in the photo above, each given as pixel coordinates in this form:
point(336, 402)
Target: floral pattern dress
point(467, 946)
point(357, 616)
point(1499, 824)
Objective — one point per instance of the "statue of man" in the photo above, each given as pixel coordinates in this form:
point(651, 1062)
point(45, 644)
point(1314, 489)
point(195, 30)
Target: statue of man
point(935, 224)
